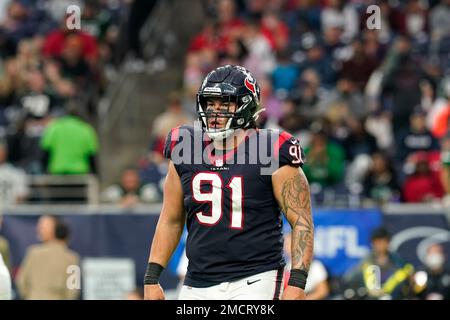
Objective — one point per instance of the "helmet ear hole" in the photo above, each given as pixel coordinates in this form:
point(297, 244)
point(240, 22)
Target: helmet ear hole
point(246, 99)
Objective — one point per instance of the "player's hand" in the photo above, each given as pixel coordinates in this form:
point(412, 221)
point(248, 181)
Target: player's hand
point(293, 293)
point(153, 292)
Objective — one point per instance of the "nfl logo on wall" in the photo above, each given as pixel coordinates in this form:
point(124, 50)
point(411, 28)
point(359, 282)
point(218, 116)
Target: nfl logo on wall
point(219, 163)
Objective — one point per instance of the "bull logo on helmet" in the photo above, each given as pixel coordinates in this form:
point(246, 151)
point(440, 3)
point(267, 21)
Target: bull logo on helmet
point(250, 84)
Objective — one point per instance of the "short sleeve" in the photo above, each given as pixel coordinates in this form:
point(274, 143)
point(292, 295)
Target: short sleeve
point(171, 140)
point(93, 142)
point(290, 151)
point(47, 138)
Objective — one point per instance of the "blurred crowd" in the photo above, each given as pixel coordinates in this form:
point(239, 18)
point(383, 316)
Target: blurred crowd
point(51, 79)
point(370, 106)
point(44, 65)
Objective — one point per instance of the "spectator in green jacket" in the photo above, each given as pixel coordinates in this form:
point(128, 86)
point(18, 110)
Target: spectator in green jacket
point(324, 160)
point(70, 145)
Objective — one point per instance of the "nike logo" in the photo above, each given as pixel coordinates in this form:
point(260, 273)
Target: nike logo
point(252, 282)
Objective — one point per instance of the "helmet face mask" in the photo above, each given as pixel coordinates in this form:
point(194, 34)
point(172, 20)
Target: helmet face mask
point(232, 85)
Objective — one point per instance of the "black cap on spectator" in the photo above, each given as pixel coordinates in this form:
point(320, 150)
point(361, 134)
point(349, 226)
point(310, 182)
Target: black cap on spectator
point(418, 111)
point(380, 233)
point(62, 231)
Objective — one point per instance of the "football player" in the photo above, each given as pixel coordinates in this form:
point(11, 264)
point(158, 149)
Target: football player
point(217, 185)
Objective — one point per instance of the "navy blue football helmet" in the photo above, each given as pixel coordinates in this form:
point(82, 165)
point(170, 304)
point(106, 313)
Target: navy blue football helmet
point(231, 84)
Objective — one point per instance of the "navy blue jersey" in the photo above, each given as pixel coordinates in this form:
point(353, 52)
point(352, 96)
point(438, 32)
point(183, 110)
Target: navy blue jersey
point(233, 220)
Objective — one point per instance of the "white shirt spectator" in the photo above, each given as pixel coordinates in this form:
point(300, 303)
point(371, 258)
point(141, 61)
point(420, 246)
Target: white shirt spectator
point(5, 281)
point(439, 17)
point(13, 184)
point(148, 193)
point(347, 19)
point(317, 273)
point(3, 9)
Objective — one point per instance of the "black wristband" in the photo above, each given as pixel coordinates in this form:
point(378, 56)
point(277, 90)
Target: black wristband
point(298, 278)
point(152, 273)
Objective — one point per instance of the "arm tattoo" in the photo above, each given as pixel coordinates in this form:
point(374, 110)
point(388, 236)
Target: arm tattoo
point(296, 205)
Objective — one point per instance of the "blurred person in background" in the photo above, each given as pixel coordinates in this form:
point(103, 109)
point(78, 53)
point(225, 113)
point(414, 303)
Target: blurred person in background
point(308, 96)
point(381, 275)
point(13, 181)
point(36, 100)
point(357, 142)
point(432, 281)
point(260, 58)
point(317, 287)
point(284, 75)
point(415, 20)
point(139, 11)
point(72, 65)
point(5, 281)
point(439, 18)
point(401, 82)
point(332, 43)
point(174, 116)
point(70, 144)
point(130, 191)
point(18, 22)
point(346, 94)
point(423, 185)
point(4, 247)
point(416, 138)
point(275, 30)
point(317, 60)
point(341, 13)
point(291, 119)
point(439, 115)
point(43, 273)
point(380, 183)
point(359, 67)
point(445, 168)
point(55, 43)
point(325, 164)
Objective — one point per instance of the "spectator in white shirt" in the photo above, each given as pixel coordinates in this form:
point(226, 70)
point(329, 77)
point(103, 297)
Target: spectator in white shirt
point(13, 181)
point(5, 281)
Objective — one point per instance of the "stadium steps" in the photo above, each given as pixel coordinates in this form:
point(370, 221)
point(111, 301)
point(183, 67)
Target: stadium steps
point(134, 99)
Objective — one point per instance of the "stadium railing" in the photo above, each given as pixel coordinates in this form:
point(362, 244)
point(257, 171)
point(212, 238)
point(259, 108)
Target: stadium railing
point(63, 189)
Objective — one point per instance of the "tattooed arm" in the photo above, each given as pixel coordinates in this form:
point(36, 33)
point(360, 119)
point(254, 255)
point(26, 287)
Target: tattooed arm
point(291, 190)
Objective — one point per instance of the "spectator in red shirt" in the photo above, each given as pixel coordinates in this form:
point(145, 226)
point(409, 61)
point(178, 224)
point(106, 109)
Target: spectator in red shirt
point(275, 30)
point(230, 25)
point(359, 67)
point(209, 38)
point(423, 185)
point(55, 41)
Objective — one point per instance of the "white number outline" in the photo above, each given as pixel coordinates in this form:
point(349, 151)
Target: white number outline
point(236, 186)
point(296, 152)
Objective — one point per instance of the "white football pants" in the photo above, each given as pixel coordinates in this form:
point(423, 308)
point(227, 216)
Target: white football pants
point(263, 286)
